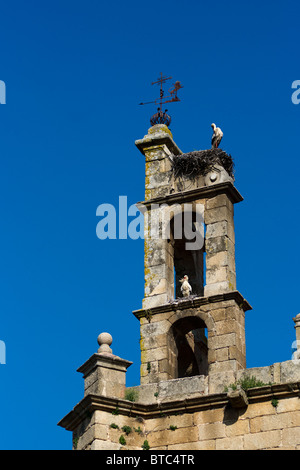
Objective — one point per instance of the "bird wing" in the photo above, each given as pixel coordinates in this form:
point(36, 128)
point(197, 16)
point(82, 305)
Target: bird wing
point(220, 133)
point(185, 286)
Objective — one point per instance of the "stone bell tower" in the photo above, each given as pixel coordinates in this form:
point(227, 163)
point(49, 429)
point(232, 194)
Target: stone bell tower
point(195, 391)
point(204, 333)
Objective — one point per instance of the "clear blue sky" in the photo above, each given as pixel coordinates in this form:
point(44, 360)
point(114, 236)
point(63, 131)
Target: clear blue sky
point(75, 73)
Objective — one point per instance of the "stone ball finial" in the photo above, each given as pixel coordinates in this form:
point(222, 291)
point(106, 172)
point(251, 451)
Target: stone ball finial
point(104, 341)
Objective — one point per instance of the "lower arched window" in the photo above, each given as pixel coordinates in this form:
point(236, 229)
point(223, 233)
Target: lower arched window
point(188, 347)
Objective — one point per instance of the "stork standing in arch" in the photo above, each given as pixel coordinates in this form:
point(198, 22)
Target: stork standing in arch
point(186, 288)
point(217, 136)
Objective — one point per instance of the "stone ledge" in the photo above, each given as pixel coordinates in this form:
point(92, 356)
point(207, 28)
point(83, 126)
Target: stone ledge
point(154, 410)
point(109, 361)
point(160, 138)
point(198, 193)
point(165, 390)
point(182, 304)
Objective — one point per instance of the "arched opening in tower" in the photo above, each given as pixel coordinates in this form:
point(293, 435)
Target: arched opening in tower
point(187, 239)
point(188, 347)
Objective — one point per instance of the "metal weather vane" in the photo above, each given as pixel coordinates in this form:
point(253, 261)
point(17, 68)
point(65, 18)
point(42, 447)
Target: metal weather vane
point(161, 117)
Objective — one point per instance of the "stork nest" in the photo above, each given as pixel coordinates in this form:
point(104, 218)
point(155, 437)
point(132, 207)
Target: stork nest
point(200, 162)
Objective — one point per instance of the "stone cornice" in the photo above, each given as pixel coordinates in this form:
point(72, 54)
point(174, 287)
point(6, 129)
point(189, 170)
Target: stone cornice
point(154, 410)
point(109, 361)
point(181, 304)
point(161, 138)
point(198, 193)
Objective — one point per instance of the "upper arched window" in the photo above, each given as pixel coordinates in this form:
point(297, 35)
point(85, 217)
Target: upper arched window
point(187, 240)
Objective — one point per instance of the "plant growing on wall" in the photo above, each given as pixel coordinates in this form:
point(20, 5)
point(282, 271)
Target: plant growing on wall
point(247, 382)
point(145, 445)
point(172, 428)
point(126, 429)
point(114, 426)
point(131, 395)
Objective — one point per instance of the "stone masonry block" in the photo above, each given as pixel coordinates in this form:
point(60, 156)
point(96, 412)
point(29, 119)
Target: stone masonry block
point(239, 428)
point(291, 437)
point(263, 440)
point(104, 445)
point(156, 152)
point(215, 275)
point(276, 421)
point(159, 179)
point(160, 424)
point(224, 366)
point(152, 342)
point(230, 443)
point(212, 216)
point(217, 381)
point(183, 386)
point(180, 436)
point(152, 167)
point(290, 371)
point(155, 328)
point(219, 314)
point(218, 201)
point(217, 288)
point(226, 326)
point(154, 354)
point(264, 374)
point(209, 416)
point(219, 259)
point(155, 301)
point(215, 245)
point(217, 229)
point(211, 431)
point(222, 354)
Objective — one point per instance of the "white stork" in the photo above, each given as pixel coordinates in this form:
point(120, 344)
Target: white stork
point(217, 136)
point(186, 288)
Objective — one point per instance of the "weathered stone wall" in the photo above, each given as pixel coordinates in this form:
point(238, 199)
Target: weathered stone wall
point(195, 413)
point(264, 424)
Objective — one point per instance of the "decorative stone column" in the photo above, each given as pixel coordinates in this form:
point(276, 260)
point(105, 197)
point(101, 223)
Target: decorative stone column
point(297, 328)
point(220, 245)
point(104, 373)
point(157, 147)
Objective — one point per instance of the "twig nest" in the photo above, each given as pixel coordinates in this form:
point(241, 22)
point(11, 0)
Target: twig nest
point(201, 162)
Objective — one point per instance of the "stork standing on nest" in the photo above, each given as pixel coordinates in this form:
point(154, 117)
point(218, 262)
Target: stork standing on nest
point(186, 288)
point(217, 136)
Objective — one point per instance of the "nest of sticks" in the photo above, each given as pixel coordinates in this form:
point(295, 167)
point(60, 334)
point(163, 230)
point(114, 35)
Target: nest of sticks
point(200, 162)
